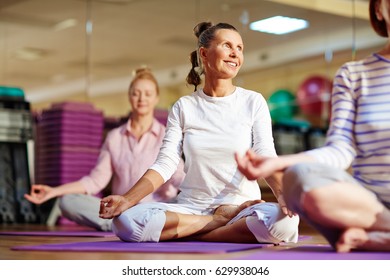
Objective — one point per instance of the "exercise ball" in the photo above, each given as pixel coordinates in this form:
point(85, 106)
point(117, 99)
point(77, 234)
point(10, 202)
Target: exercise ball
point(313, 96)
point(282, 105)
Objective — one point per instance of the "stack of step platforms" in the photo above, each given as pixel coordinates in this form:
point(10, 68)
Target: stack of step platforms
point(161, 115)
point(16, 131)
point(69, 137)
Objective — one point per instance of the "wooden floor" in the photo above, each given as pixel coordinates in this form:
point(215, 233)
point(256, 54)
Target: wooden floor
point(9, 241)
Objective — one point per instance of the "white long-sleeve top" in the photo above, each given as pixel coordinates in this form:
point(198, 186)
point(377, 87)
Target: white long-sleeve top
point(359, 133)
point(209, 130)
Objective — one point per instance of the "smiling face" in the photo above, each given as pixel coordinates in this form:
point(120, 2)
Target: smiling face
point(143, 96)
point(224, 56)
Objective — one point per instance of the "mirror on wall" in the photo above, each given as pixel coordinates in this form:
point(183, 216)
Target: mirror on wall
point(87, 49)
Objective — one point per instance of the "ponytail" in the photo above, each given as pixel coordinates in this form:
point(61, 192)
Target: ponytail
point(193, 77)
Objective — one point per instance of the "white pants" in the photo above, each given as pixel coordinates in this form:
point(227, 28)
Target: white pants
point(144, 222)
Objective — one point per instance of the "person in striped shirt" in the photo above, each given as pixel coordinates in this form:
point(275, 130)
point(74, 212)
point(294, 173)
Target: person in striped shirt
point(343, 188)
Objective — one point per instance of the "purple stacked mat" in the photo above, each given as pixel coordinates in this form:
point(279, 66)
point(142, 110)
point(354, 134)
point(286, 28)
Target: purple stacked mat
point(69, 137)
point(161, 115)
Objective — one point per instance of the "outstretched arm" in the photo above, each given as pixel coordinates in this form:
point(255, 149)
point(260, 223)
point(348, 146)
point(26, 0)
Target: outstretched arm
point(42, 193)
point(254, 166)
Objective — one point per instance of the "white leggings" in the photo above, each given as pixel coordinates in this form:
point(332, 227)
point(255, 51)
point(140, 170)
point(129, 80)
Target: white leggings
point(144, 222)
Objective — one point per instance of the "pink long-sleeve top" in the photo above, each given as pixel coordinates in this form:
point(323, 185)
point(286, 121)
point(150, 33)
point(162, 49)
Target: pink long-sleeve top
point(125, 159)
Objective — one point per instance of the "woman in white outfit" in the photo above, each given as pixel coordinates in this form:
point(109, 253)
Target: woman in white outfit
point(216, 202)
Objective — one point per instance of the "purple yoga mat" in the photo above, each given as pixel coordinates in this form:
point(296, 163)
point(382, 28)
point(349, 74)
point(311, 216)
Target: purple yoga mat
point(59, 233)
point(145, 247)
point(315, 252)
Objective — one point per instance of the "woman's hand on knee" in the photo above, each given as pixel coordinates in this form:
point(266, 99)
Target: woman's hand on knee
point(283, 206)
point(40, 194)
point(112, 206)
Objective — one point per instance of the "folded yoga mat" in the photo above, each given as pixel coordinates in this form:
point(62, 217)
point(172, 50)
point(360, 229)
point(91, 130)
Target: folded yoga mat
point(60, 156)
point(315, 252)
point(60, 233)
point(74, 106)
point(54, 140)
point(145, 247)
point(79, 167)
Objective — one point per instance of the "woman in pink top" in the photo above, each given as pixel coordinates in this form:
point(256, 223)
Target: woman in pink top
point(128, 151)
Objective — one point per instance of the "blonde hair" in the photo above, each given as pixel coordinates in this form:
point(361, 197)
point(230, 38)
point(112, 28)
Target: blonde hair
point(144, 73)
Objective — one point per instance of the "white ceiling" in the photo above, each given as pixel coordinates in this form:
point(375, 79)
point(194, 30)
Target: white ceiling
point(45, 60)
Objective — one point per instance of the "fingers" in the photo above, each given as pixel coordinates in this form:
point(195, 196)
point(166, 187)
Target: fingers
point(251, 154)
point(102, 207)
point(108, 208)
point(237, 157)
point(37, 194)
point(112, 206)
point(109, 213)
point(252, 173)
point(33, 199)
point(105, 208)
point(283, 206)
point(244, 166)
point(107, 199)
point(35, 189)
point(240, 161)
point(105, 214)
point(250, 165)
point(28, 197)
point(287, 211)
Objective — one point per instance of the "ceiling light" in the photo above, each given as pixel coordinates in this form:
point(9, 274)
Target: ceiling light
point(65, 24)
point(29, 54)
point(279, 25)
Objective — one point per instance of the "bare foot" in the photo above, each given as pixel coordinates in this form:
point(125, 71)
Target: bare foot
point(230, 211)
point(359, 239)
point(227, 211)
point(350, 239)
point(250, 203)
